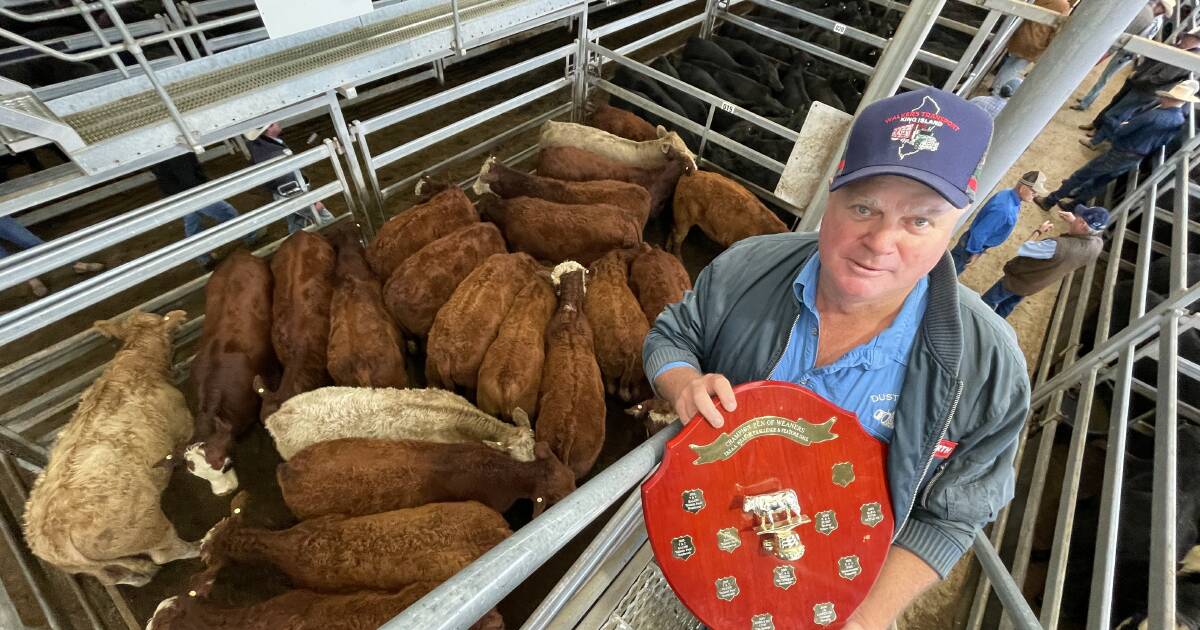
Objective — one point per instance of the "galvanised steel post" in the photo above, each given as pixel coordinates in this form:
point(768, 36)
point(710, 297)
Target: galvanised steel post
point(1079, 44)
point(893, 65)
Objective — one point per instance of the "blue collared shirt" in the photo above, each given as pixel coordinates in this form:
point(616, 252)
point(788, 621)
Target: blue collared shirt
point(867, 379)
point(993, 105)
point(995, 221)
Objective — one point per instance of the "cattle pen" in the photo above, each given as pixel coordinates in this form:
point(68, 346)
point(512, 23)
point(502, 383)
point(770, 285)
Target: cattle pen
point(425, 90)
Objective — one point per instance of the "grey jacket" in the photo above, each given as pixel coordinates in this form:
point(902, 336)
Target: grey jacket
point(966, 382)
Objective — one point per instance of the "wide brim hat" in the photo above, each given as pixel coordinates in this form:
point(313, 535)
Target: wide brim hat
point(1035, 180)
point(1183, 91)
point(253, 134)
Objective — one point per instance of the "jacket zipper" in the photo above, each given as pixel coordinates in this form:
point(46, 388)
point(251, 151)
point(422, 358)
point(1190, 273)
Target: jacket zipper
point(925, 471)
point(785, 348)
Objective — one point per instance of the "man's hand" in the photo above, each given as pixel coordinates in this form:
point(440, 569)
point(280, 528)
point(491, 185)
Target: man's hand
point(1068, 217)
point(318, 206)
point(1046, 226)
point(691, 392)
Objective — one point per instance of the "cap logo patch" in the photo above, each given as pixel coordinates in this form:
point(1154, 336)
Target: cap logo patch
point(914, 129)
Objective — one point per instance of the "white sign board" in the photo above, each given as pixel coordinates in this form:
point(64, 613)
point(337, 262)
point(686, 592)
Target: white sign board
point(284, 17)
point(822, 133)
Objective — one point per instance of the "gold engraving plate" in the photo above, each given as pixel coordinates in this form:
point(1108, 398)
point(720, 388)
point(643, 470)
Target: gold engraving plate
point(843, 473)
point(727, 588)
point(871, 514)
point(682, 547)
point(826, 522)
point(849, 567)
point(784, 576)
point(762, 622)
point(824, 614)
point(798, 430)
point(728, 539)
point(693, 500)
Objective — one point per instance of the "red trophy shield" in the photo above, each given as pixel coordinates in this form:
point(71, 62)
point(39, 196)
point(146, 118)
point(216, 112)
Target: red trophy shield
point(780, 519)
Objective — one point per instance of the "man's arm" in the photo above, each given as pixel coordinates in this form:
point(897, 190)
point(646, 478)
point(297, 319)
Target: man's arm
point(904, 576)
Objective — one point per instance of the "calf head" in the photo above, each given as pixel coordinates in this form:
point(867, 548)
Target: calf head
point(674, 141)
point(520, 446)
point(271, 400)
point(555, 481)
point(656, 414)
point(140, 323)
point(210, 460)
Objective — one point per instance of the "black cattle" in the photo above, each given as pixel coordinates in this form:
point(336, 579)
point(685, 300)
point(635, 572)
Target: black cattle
point(1187, 603)
point(765, 45)
point(697, 49)
point(764, 69)
point(1132, 579)
point(795, 94)
point(700, 78)
point(756, 96)
point(820, 89)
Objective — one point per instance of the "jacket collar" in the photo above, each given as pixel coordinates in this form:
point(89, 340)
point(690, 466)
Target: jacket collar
point(942, 326)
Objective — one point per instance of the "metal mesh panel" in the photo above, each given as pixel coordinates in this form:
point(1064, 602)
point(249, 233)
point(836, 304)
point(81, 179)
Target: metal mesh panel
point(129, 113)
point(650, 604)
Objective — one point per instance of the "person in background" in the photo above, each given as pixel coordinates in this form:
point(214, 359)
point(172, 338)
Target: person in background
point(12, 232)
point(1148, 78)
point(1147, 23)
point(1027, 45)
point(266, 143)
point(182, 173)
point(1146, 129)
point(1042, 263)
point(993, 104)
point(996, 219)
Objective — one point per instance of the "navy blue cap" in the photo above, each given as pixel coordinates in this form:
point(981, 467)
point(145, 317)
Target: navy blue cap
point(1095, 216)
point(928, 135)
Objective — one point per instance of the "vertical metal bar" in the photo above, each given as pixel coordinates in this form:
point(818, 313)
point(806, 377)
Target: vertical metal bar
point(173, 13)
point(712, 110)
point(1161, 598)
point(360, 220)
point(135, 49)
point(990, 55)
point(1079, 43)
point(372, 175)
point(166, 26)
point(86, 14)
point(710, 19)
point(191, 14)
point(343, 135)
point(439, 71)
point(1105, 564)
point(459, 48)
point(979, 605)
point(24, 560)
point(579, 89)
point(894, 61)
point(964, 63)
point(1059, 550)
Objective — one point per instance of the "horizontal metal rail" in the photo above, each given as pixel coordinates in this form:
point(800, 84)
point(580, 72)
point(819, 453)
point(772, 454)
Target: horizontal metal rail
point(430, 103)
point(464, 598)
point(22, 321)
point(54, 14)
point(687, 88)
point(35, 261)
point(953, 25)
point(473, 120)
point(848, 31)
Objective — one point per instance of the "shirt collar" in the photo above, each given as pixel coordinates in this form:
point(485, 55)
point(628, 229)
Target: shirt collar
point(890, 345)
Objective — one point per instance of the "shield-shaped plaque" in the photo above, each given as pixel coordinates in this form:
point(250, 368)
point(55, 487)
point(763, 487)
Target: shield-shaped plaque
point(795, 499)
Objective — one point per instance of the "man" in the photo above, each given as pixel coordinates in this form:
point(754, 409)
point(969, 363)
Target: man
point(181, 173)
point(1148, 78)
point(1146, 23)
point(1043, 263)
point(868, 313)
point(1145, 130)
point(266, 143)
point(993, 104)
point(11, 231)
point(996, 219)
point(1027, 44)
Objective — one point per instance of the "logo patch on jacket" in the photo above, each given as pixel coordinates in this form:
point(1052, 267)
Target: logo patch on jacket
point(944, 449)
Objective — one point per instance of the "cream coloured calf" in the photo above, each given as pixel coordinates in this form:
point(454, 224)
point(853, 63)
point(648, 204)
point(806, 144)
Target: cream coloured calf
point(95, 509)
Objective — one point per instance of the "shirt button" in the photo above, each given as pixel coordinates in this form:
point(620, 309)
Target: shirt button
point(813, 331)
